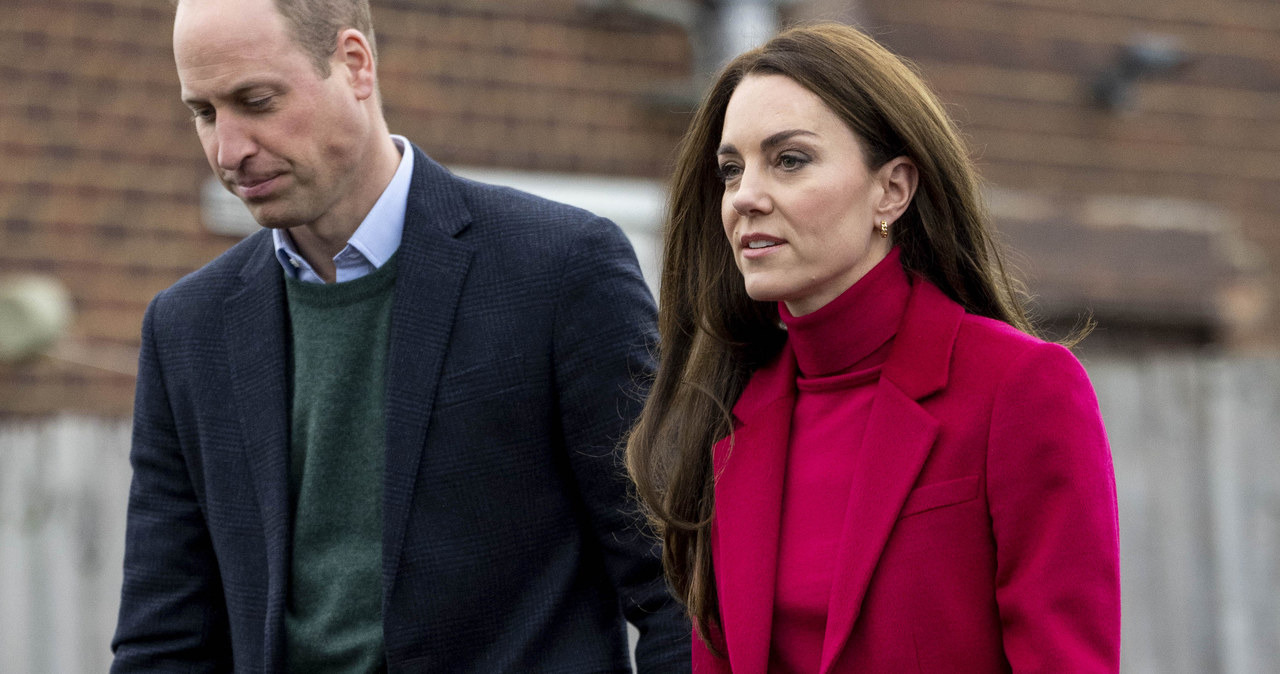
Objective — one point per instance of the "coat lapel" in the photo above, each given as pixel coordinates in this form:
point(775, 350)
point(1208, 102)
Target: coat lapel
point(257, 339)
point(898, 438)
point(750, 466)
point(432, 267)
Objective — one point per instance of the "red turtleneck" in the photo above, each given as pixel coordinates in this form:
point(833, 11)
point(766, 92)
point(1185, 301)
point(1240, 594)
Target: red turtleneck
point(839, 350)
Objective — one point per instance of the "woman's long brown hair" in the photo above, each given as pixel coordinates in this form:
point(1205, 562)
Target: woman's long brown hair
point(713, 336)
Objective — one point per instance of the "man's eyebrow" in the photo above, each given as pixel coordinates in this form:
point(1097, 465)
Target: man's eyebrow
point(239, 92)
point(769, 143)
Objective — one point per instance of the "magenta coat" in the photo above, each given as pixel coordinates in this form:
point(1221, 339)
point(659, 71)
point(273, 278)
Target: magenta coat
point(981, 532)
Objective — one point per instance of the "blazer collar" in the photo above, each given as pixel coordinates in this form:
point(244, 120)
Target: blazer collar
point(897, 441)
point(921, 356)
point(255, 330)
point(750, 471)
point(433, 264)
point(750, 467)
point(899, 435)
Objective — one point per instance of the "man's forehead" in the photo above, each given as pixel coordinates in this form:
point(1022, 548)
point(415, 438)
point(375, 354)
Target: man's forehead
point(226, 20)
point(216, 44)
point(226, 6)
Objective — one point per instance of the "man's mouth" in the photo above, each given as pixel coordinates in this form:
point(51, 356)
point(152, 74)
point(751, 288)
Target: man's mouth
point(255, 188)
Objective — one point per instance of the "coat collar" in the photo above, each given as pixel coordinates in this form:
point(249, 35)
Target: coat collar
point(433, 263)
point(921, 357)
point(257, 336)
point(750, 467)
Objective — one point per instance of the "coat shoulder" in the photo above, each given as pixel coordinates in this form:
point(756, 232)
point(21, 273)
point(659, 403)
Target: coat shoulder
point(999, 349)
point(202, 291)
point(506, 210)
point(993, 335)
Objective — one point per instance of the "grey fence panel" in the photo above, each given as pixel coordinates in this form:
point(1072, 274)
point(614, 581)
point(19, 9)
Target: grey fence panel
point(1197, 471)
point(1244, 413)
point(63, 490)
point(1166, 559)
point(1198, 475)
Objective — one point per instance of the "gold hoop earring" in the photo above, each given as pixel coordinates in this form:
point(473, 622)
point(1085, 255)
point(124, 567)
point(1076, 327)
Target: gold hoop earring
point(884, 229)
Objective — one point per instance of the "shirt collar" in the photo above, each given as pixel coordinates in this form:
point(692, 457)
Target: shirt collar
point(374, 241)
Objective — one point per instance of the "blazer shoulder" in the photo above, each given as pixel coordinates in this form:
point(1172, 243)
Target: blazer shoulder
point(946, 343)
point(995, 334)
point(506, 208)
point(997, 338)
point(1002, 350)
point(497, 217)
point(518, 233)
point(198, 292)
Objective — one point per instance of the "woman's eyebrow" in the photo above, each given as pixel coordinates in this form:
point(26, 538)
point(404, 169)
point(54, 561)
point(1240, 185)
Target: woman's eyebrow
point(769, 143)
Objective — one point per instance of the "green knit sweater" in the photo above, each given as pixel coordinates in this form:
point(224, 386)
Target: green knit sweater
point(333, 619)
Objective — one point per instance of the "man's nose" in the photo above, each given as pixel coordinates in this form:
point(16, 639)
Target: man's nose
point(235, 143)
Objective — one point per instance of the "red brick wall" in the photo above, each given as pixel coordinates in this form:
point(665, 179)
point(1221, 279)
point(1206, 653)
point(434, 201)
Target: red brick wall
point(101, 168)
point(97, 185)
point(101, 173)
point(540, 86)
point(1015, 74)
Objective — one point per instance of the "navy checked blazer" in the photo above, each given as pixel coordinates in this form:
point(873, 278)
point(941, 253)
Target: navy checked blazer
point(520, 329)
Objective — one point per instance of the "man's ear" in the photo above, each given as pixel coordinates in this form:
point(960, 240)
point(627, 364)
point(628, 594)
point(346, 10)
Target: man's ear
point(898, 179)
point(354, 59)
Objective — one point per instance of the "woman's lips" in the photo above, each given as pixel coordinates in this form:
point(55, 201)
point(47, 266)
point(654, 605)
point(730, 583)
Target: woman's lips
point(758, 246)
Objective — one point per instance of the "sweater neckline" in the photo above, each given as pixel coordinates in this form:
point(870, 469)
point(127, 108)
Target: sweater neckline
point(852, 332)
point(345, 293)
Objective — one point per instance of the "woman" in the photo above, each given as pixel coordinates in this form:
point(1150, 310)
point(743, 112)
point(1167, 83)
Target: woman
point(858, 455)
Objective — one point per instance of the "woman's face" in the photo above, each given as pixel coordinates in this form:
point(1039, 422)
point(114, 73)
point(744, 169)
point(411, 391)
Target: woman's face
point(800, 207)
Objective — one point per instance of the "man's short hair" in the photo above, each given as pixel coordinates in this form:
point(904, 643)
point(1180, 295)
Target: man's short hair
point(314, 25)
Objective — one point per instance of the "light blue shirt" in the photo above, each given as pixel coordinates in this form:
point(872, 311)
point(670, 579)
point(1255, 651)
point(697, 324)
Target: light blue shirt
point(374, 241)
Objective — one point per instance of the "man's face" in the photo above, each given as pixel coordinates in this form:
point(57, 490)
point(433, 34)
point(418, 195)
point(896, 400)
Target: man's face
point(279, 135)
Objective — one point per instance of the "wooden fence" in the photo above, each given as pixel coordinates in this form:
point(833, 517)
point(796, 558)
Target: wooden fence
point(1195, 442)
point(1195, 445)
point(63, 490)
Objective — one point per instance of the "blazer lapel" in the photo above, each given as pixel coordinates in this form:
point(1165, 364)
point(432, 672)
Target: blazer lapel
point(898, 438)
point(432, 267)
point(257, 337)
point(750, 466)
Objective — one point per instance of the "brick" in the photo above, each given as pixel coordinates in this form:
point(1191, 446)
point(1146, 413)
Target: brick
point(1228, 13)
point(102, 172)
point(110, 396)
point(61, 244)
point(990, 23)
point(110, 323)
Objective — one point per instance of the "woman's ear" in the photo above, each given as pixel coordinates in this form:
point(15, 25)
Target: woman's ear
point(898, 178)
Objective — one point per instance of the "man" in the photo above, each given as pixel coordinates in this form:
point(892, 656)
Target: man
point(380, 434)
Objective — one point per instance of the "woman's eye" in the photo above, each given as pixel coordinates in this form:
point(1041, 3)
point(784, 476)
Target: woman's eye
point(728, 172)
point(791, 161)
